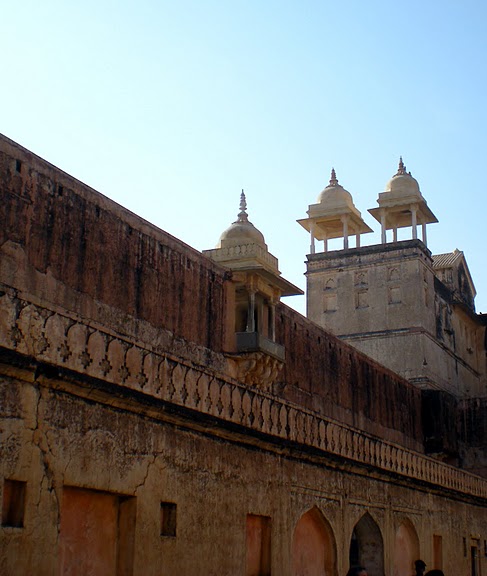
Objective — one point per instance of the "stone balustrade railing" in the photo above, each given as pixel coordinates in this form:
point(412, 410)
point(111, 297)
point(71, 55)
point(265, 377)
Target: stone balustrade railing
point(66, 341)
point(248, 250)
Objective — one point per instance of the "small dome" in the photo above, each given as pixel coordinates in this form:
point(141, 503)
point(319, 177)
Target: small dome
point(334, 194)
point(242, 231)
point(402, 183)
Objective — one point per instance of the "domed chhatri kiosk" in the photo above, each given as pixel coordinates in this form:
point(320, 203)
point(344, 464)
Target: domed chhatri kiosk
point(402, 205)
point(258, 285)
point(334, 216)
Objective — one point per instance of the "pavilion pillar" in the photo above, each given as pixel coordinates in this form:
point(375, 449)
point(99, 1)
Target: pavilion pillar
point(414, 222)
point(251, 312)
point(272, 319)
point(345, 231)
point(312, 234)
point(383, 226)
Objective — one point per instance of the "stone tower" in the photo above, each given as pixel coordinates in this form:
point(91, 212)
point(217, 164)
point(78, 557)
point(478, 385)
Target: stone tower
point(393, 301)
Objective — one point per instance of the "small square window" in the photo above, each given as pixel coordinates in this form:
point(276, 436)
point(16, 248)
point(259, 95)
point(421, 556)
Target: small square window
point(361, 299)
point(13, 503)
point(168, 519)
point(258, 545)
point(330, 303)
point(394, 295)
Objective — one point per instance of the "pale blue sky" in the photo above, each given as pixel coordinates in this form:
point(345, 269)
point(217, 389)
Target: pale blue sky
point(170, 108)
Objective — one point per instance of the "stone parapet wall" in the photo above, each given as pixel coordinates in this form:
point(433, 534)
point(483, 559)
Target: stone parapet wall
point(327, 375)
point(368, 254)
point(250, 250)
point(89, 247)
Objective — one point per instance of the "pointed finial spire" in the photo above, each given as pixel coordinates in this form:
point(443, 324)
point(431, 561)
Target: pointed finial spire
point(242, 215)
point(333, 179)
point(402, 167)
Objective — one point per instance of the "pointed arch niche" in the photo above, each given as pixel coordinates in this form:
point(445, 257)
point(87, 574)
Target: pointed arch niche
point(367, 546)
point(313, 547)
point(406, 549)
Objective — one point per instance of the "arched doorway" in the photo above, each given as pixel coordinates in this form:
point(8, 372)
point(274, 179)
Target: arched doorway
point(367, 546)
point(406, 549)
point(313, 548)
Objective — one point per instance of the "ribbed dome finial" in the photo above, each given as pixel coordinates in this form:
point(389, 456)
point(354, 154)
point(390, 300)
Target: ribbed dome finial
point(403, 184)
point(402, 167)
point(242, 231)
point(333, 179)
point(242, 215)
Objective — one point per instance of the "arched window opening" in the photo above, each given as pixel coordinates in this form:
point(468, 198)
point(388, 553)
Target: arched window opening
point(406, 549)
point(367, 546)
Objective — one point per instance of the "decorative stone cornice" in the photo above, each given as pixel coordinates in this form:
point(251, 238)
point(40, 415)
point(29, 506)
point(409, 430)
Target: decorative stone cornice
point(64, 340)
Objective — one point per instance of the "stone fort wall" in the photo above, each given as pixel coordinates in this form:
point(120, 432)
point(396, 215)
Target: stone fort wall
point(72, 247)
point(122, 423)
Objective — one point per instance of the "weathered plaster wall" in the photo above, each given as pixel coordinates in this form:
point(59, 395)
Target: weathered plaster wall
point(58, 438)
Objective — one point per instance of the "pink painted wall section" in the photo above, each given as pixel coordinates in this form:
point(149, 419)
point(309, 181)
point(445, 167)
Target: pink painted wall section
point(258, 546)
point(313, 551)
point(406, 551)
point(88, 535)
